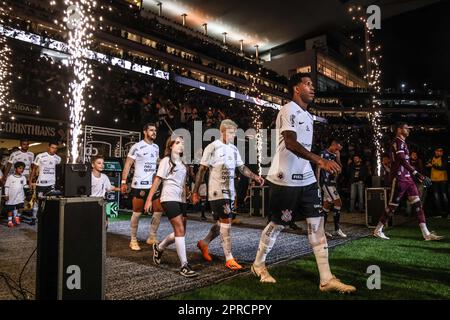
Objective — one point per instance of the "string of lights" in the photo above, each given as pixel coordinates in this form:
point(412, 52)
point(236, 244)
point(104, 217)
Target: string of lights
point(5, 71)
point(373, 58)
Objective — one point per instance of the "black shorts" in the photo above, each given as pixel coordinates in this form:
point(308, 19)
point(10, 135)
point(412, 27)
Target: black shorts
point(140, 193)
point(143, 194)
point(12, 207)
point(288, 204)
point(222, 209)
point(173, 209)
point(42, 191)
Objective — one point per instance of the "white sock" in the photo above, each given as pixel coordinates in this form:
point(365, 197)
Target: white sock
point(266, 242)
point(379, 227)
point(213, 233)
point(318, 242)
point(35, 209)
point(225, 235)
point(167, 241)
point(154, 224)
point(15, 213)
point(181, 249)
point(134, 225)
point(424, 229)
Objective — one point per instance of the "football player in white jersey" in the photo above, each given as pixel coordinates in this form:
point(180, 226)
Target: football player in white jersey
point(145, 156)
point(172, 173)
point(14, 193)
point(293, 186)
point(222, 158)
point(21, 155)
point(44, 167)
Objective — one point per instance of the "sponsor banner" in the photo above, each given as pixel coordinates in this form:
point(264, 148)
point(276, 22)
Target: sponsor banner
point(38, 131)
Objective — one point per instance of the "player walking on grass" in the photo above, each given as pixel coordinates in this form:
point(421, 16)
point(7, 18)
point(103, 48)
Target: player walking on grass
point(222, 158)
point(402, 174)
point(293, 186)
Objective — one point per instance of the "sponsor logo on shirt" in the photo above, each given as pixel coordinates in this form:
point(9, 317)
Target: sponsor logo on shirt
point(292, 120)
point(144, 183)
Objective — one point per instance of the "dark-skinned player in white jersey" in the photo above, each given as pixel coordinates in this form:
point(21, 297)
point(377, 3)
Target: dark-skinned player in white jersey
point(293, 187)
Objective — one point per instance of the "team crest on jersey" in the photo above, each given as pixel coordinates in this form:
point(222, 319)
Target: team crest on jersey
point(280, 175)
point(307, 128)
point(292, 119)
point(286, 215)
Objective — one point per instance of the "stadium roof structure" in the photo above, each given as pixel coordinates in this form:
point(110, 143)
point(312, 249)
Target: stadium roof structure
point(270, 24)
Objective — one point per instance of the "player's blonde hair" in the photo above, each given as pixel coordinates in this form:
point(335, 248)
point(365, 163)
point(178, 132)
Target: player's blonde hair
point(228, 123)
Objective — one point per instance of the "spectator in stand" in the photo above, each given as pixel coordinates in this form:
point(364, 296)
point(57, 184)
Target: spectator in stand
point(358, 174)
point(439, 178)
point(210, 120)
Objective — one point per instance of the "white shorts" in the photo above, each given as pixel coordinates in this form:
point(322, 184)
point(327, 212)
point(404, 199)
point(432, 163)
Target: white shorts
point(330, 193)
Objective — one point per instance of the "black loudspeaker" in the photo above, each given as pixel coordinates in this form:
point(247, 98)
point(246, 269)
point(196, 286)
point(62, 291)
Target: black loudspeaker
point(259, 201)
point(376, 203)
point(73, 180)
point(71, 249)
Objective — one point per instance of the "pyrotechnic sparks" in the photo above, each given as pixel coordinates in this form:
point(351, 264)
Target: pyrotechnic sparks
point(256, 119)
point(5, 71)
point(80, 25)
point(373, 73)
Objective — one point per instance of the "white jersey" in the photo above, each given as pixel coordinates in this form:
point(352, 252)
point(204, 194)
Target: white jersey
point(222, 160)
point(20, 156)
point(145, 158)
point(14, 189)
point(100, 186)
point(47, 165)
point(174, 181)
point(287, 169)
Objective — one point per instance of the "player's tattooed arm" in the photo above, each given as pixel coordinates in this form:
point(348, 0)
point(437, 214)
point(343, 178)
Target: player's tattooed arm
point(199, 178)
point(249, 174)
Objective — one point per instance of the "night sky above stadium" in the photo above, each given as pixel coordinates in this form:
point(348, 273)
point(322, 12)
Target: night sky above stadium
point(417, 48)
